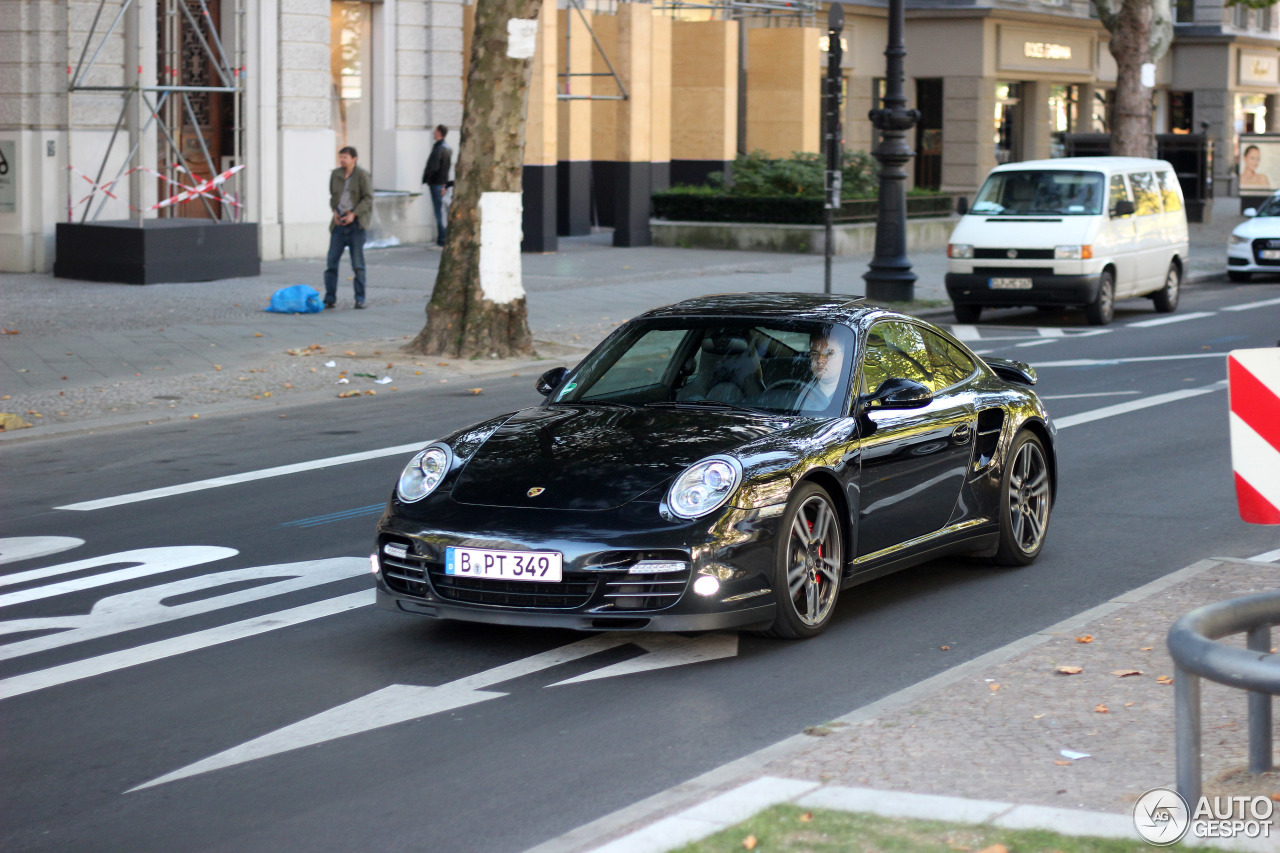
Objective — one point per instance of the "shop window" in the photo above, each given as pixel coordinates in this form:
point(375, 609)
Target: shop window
point(1008, 135)
point(1064, 116)
point(1181, 112)
point(1184, 11)
point(351, 69)
point(928, 163)
point(1251, 114)
point(1146, 193)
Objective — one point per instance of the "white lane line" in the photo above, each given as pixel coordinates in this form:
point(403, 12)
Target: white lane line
point(1269, 556)
point(1136, 405)
point(246, 477)
point(1096, 362)
point(30, 682)
point(964, 332)
point(1040, 342)
point(1175, 318)
point(1094, 394)
point(1251, 305)
point(16, 548)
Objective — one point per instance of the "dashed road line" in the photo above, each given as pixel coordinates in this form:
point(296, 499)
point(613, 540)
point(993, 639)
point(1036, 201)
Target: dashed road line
point(1248, 306)
point(1172, 318)
point(1136, 405)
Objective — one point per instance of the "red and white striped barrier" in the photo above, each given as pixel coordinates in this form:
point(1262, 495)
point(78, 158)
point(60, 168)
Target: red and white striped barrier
point(207, 188)
point(1254, 379)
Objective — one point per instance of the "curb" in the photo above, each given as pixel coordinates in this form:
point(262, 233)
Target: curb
point(720, 782)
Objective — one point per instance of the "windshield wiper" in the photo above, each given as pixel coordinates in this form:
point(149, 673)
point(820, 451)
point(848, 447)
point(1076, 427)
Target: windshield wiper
point(703, 404)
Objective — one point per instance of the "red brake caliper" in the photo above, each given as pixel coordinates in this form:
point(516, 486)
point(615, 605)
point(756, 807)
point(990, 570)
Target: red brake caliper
point(817, 578)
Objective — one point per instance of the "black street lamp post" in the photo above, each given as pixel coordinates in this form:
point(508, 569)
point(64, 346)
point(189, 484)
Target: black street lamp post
point(890, 278)
point(831, 132)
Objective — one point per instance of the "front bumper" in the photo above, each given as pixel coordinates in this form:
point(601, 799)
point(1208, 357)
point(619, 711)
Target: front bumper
point(1046, 289)
point(598, 592)
point(1247, 257)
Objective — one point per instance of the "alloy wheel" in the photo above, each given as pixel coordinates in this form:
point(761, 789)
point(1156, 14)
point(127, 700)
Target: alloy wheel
point(815, 556)
point(1029, 497)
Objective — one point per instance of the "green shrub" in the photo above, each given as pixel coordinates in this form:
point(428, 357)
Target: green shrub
point(802, 175)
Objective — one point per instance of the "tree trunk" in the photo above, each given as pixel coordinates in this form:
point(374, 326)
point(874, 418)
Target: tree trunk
point(1131, 132)
point(477, 307)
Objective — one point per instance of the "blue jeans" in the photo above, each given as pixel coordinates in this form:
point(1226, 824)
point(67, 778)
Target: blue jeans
point(344, 237)
point(437, 204)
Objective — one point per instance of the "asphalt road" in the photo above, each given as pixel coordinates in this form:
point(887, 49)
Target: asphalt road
point(190, 652)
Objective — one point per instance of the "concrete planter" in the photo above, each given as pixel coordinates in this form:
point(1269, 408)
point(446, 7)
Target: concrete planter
point(859, 239)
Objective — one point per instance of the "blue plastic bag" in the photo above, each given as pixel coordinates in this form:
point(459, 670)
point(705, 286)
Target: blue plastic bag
point(296, 299)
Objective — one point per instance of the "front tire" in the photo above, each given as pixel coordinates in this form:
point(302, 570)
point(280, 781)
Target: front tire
point(1240, 277)
point(809, 560)
point(1166, 298)
point(1026, 497)
point(1100, 311)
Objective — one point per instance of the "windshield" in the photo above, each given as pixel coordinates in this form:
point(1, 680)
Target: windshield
point(778, 367)
point(1058, 193)
point(1270, 207)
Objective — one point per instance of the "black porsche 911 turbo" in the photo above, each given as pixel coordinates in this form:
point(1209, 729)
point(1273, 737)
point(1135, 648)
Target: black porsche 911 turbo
point(729, 461)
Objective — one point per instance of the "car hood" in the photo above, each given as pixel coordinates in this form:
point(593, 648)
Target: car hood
point(1258, 226)
point(594, 458)
point(1022, 232)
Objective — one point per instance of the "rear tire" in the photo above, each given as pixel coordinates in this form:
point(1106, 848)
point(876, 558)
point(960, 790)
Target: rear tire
point(967, 313)
point(1026, 497)
point(1102, 309)
point(1166, 298)
point(1240, 277)
point(808, 564)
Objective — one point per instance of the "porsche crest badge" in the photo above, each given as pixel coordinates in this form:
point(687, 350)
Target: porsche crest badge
point(535, 491)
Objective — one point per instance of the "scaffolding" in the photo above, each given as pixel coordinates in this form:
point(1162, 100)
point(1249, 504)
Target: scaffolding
point(194, 66)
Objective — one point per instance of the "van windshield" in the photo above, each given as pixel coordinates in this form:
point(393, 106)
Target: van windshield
point(1048, 192)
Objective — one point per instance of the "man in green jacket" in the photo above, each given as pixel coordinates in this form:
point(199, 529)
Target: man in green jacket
point(351, 199)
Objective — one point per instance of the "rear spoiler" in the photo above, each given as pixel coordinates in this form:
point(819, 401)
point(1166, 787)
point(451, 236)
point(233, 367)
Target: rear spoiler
point(1014, 371)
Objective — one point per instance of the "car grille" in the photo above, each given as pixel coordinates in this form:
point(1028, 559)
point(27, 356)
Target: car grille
point(649, 591)
point(406, 574)
point(1019, 254)
point(1013, 272)
point(574, 591)
point(1259, 245)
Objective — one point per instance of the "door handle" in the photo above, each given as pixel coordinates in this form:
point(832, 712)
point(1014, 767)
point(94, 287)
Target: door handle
point(962, 434)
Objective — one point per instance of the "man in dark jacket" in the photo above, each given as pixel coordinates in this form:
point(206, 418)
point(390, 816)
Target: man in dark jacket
point(436, 177)
point(351, 199)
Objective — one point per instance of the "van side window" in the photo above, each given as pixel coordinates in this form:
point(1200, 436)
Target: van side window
point(1119, 192)
point(1146, 194)
point(1169, 190)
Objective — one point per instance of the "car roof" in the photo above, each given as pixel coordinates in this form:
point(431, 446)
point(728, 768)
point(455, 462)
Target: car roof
point(1099, 164)
point(831, 307)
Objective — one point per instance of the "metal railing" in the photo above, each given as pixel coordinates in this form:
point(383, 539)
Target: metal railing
point(1196, 654)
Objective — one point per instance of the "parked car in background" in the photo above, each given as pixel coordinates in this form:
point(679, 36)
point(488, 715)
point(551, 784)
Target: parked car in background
point(727, 462)
point(1074, 231)
point(1254, 245)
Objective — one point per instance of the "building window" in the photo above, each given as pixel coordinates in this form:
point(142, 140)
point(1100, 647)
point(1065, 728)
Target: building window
point(1064, 116)
point(351, 69)
point(1181, 112)
point(1265, 19)
point(1243, 16)
point(1008, 131)
point(1184, 11)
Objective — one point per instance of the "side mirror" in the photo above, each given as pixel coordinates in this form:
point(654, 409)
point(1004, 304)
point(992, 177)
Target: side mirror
point(899, 393)
point(962, 205)
point(1251, 212)
point(1123, 208)
point(550, 380)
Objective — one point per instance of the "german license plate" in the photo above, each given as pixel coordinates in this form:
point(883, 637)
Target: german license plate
point(1010, 284)
point(537, 566)
point(1269, 254)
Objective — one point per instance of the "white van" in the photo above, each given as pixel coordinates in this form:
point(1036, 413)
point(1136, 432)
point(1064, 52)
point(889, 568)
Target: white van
point(1071, 231)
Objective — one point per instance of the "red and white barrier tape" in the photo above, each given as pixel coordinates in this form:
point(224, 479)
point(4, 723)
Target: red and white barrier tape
point(187, 193)
point(1253, 377)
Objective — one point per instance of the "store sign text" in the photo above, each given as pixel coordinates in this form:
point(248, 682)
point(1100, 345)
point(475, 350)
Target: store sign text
point(1045, 50)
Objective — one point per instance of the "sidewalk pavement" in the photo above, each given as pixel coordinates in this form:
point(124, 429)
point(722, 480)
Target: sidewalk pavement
point(86, 355)
point(988, 740)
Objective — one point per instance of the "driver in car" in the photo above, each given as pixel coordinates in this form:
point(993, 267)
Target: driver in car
point(826, 361)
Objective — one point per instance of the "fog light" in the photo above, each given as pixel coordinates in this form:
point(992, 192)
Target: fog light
point(706, 585)
point(373, 563)
point(657, 567)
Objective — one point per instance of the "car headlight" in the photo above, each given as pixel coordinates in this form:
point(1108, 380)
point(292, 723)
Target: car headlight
point(424, 472)
point(704, 486)
point(1236, 239)
point(960, 251)
point(1072, 253)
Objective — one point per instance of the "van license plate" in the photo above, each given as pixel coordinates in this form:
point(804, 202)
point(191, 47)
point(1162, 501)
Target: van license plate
point(1269, 254)
point(1010, 284)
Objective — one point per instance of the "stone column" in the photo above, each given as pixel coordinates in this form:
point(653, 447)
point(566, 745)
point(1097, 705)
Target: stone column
point(575, 51)
point(784, 90)
point(968, 152)
point(541, 140)
point(704, 99)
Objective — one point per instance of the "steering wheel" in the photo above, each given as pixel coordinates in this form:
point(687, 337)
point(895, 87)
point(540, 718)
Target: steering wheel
point(788, 384)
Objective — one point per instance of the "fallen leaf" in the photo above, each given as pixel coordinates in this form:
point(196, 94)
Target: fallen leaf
point(806, 817)
point(1070, 670)
point(1145, 649)
point(750, 842)
point(390, 365)
point(193, 417)
point(1037, 716)
point(417, 373)
point(266, 393)
point(1063, 763)
point(369, 392)
point(1125, 673)
point(5, 397)
point(995, 848)
point(442, 364)
point(1102, 709)
point(257, 334)
point(1276, 797)
point(348, 352)
point(475, 390)
point(993, 687)
point(288, 384)
point(217, 367)
point(1165, 679)
point(10, 331)
point(1087, 638)
point(945, 648)
point(1128, 704)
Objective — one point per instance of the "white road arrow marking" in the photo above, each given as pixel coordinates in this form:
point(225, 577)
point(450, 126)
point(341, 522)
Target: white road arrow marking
point(666, 650)
point(400, 703)
point(17, 548)
point(149, 561)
